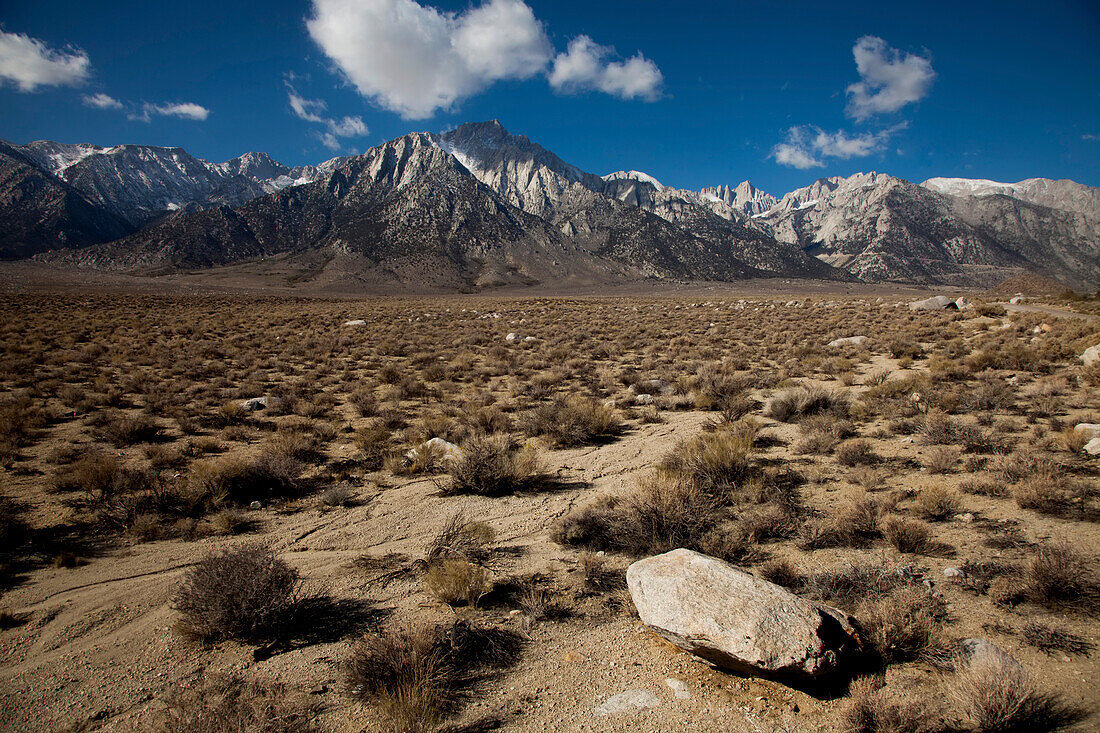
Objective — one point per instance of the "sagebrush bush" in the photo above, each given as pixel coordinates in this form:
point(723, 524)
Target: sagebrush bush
point(243, 479)
point(906, 535)
point(903, 624)
point(233, 703)
point(247, 593)
point(456, 581)
point(996, 695)
point(1059, 574)
point(804, 400)
point(712, 462)
point(937, 502)
point(493, 465)
point(871, 708)
point(571, 422)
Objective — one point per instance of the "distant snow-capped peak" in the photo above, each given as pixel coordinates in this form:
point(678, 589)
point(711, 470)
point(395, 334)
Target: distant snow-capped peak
point(634, 176)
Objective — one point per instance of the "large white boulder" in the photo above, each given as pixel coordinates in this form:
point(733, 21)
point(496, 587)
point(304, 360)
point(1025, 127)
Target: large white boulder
point(738, 621)
point(1093, 447)
point(847, 341)
point(1091, 355)
point(935, 303)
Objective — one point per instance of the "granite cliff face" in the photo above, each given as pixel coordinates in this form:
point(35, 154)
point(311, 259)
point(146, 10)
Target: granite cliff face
point(478, 206)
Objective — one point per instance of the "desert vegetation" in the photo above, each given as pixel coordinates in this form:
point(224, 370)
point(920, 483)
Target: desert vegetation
point(418, 512)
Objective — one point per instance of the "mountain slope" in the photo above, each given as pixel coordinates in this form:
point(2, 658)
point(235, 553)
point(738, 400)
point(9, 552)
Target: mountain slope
point(39, 212)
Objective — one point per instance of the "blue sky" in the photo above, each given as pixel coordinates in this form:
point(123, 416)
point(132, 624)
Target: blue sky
point(694, 93)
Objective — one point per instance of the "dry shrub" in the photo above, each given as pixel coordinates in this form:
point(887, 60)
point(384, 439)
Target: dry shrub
point(415, 675)
point(493, 465)
point(937, 502)
point(1047, 638)
point(364, 401)
point(460, 538)
point(661, 514)
point(902, 625)
point(236, 704)
point(247, 593)
point(871, 708)
point(804, 400)
point(856, 453)
point(241, 479)
point(1059, 575)
point(820, 434)
point(570, 422)
point(996, 695)
point(122, 429)
point(782, 572)
point(712, 462)
point(1056, 494)
point(941, 459)
point(906, 535)
point(457, 581)
point(373, 442)
point(405, 674)
point(848, 585)
point(854, 522)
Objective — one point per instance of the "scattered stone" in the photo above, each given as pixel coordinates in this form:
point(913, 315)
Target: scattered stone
point(1093, 447)
point(643, 399)
point(966, 518)
point(953, 572)
point(255, 505)
point(935, 303)
point(627, 701)
point(965, 649)
point(529, 339)
point(356, 322)
point(848, 341)
point(659, 386)
point(255, 403)
point(679, 688)
point(1091, 355)
point(449, 450)
point(963, 304)
point(511, 337)
point(1016, 300)
point(736, 620)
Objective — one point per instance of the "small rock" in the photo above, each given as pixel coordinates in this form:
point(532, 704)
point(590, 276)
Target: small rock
point(1090, 429)
point(627, 701)
point(953, 572)
point(679, 688)
point(962, 304)
point(643, 399)
point(1016, 300)
point(254, 404)
point(255, 505)
point(965, 518)
point(511, 337)
point(356, 322)
point(967, 648)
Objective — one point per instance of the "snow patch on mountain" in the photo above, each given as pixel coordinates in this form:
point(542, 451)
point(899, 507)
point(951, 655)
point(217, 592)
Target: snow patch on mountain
point(634, 176)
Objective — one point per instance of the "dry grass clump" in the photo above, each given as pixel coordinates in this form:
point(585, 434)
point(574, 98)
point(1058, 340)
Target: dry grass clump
point(570, 422)
point(123, 429)
point(906, 535)
point(821, 433)
point(871, 708)
point(233, 703)
point(805, 400)
point(937, 502)
point(1047, 638)
point(248, 593)
point(941, 459)
point(661, 514)
point(714, 462)
point(413, 676)
point(1060, 575)
point(902, 625)
point(854, 522)
point(857, 452)
point(456, 581)
point(461, 538)
point(1056, 494)
point(241, 480)
point(996, 695)
point(493, 465)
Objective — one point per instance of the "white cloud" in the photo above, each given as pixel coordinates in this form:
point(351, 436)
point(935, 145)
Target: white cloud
point(584, 66)
point(888, 79)
point(29, 63)
point(1090, 137)
point(808, 146)
point(183, 110)
point(414, 60)
point(101, 101)
point(311, 110)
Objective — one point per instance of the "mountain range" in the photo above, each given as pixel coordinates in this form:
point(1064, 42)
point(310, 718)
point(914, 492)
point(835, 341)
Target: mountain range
point(479, 207)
